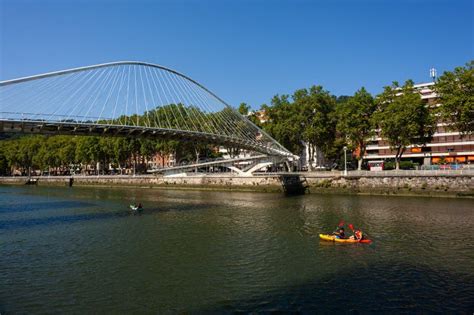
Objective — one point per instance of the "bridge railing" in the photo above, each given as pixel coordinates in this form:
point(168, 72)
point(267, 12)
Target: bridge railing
point(15, 116)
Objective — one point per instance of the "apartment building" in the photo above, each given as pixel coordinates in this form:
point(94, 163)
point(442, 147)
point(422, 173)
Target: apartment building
point(446, 146)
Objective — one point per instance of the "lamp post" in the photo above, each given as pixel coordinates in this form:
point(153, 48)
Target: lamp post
point(345, 161)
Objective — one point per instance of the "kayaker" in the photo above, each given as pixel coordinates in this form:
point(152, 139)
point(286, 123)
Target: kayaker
point(358, 235)
point(340, 233)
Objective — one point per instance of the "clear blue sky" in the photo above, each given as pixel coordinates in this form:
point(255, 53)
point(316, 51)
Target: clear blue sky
point(244, 50)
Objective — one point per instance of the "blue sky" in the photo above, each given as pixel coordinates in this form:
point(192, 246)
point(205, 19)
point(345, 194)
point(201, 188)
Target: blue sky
point(244, 51)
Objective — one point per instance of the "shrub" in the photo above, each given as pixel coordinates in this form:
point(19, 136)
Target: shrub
point(407, 165)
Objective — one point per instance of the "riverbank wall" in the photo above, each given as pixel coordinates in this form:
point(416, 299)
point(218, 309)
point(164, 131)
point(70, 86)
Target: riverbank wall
point(446, 185)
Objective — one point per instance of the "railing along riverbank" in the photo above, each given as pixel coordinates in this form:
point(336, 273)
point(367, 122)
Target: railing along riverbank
point(390, 173)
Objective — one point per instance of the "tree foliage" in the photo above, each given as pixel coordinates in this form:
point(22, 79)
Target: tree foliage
point(307, 117)
point(403, 118)
point(316, 117)
point(244, 109)
point(283, 124)
point(456, 93)
point(355, 121)
point(64, 154)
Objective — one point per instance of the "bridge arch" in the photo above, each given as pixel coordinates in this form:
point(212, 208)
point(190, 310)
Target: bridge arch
point(127, 98)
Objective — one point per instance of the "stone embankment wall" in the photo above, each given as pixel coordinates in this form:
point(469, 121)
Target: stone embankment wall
point(397, 185)
point(445, 185)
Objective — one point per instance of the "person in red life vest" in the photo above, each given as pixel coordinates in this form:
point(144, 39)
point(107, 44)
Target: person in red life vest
point(358, 235)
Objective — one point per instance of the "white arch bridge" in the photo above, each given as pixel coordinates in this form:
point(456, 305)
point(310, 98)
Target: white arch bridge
point(128, 98)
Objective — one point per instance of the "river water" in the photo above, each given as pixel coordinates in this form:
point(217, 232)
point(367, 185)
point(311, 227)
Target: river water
point(79, 250)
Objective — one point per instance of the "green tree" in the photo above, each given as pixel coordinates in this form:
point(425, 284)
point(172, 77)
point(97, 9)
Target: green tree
point(355, 121)
point(283, 123)
point(404, 118)
point(44, 158)
point(67, 150)
point(244, 109)
point(122, 152)
point(342, 99)
point(10, 151)
point(106, 152)
point(147, 150)
point(134, 147)
point(28, 147)
point(456, 93)
point(166, 147)
point(88, 151)
point(4, 165)
point(315, 110)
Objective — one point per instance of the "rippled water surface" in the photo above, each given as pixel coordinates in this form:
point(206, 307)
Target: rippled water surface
point(79, 250)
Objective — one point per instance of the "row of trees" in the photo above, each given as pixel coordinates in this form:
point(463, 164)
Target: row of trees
point(60, 154)
point(326, 123)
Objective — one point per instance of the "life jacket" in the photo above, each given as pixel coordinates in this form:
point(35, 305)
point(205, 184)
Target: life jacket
point(358, 234)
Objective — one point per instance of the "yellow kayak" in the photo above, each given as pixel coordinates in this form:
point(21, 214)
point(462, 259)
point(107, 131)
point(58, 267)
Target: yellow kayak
point(332, 238)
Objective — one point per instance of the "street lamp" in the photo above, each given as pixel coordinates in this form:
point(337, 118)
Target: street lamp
point(345, 161)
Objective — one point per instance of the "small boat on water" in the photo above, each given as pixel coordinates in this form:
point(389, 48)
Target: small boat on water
point(135, 208)
point(333, 238)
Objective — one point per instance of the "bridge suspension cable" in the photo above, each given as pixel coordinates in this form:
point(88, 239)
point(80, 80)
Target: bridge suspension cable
point(133, 95)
